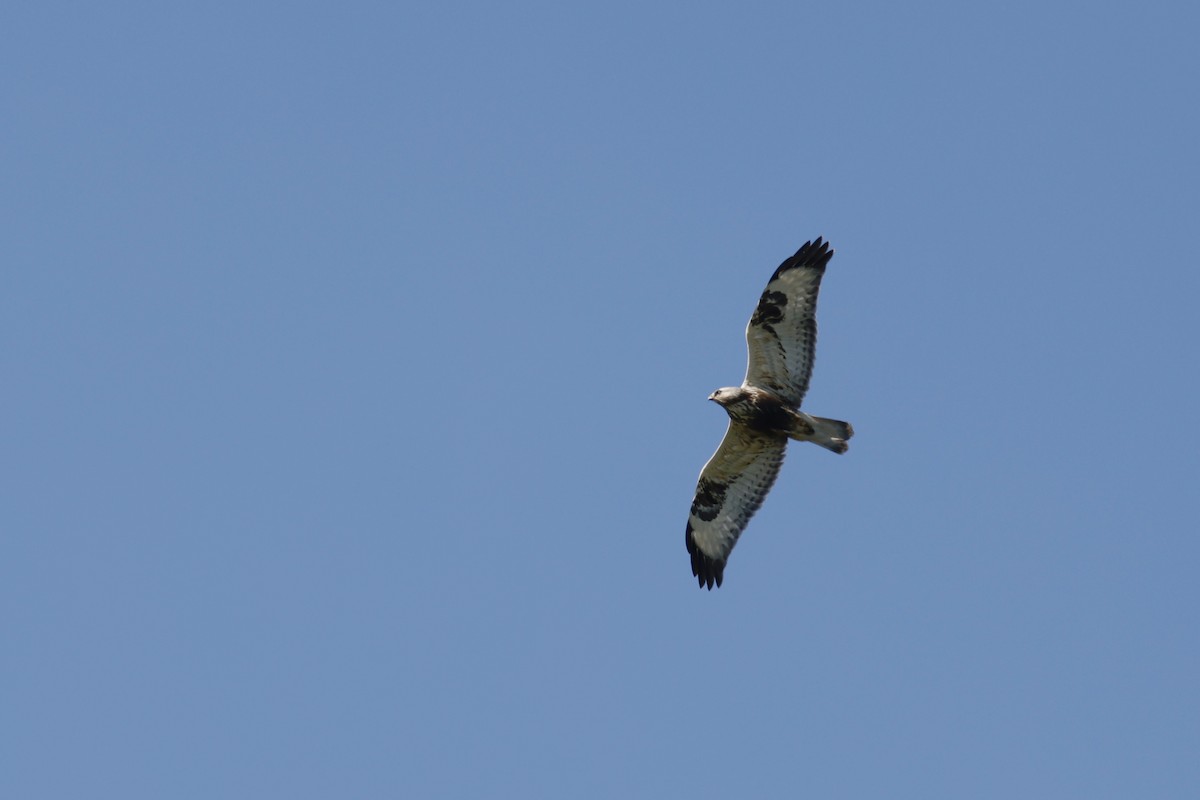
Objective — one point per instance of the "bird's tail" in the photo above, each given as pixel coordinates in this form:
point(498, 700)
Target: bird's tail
point(832, 434)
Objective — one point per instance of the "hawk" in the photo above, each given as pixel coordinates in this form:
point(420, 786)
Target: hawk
point(764, 413)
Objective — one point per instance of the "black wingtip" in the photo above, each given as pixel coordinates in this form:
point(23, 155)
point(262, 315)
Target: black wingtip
point(814, 253)
point(708, 571)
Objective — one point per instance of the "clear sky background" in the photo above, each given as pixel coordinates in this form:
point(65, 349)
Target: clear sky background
point(354, 371)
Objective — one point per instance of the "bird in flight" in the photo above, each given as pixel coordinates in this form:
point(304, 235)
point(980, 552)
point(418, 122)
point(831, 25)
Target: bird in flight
point(764, 413)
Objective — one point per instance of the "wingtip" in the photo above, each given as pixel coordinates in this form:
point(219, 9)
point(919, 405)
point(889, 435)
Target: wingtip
point(814, 253)
point(707, 578)
point(707, 570)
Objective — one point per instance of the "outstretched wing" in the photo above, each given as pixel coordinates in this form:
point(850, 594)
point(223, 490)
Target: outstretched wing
point(782, 333)
point(731, 488)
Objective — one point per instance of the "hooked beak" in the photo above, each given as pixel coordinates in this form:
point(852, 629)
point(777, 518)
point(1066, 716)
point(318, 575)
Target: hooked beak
point(713, 397)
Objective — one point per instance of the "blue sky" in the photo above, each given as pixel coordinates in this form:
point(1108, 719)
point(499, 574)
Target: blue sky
point(355, 364)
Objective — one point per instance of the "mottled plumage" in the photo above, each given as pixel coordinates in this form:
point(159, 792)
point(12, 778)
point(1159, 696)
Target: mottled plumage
point(764, 413)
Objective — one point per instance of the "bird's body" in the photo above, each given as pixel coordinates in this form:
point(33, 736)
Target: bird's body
point(764, 413)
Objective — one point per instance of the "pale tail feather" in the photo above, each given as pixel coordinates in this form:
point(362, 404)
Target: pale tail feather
point(832, 434)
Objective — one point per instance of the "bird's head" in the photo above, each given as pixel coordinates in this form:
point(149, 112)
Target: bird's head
point(726, 395)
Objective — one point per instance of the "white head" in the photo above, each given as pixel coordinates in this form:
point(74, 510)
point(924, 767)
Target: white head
point(726, 395)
